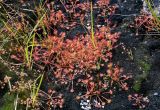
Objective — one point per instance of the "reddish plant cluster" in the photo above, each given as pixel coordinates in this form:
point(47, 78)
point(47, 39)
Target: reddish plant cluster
point(68, 14)
point(99, 88)
point(72, 57)
point(54, 100)
point(4, 82)
point(75, 62)
point(138, 100)
point(146, 21)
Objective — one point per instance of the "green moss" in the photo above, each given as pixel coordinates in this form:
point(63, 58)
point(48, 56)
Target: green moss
point(4, 70)
point(137, 85)
point(8, 102)
point(145, 67)
point(143, 62)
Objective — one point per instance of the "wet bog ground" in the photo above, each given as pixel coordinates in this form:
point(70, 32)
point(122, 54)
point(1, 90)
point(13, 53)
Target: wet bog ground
point(138, 54)
point(145, 48)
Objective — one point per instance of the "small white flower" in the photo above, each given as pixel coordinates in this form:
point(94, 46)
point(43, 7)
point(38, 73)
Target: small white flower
point(85, 103)
point(98, 25)
point(82, 107)
point(146, 99)
point(81, 103)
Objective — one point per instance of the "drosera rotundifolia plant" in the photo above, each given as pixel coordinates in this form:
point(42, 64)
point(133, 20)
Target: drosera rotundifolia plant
point(76, 62)
point(66, 49)
point(149, 19)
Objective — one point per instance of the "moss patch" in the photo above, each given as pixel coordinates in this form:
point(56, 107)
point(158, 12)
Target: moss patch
point(143, 62)
point(145, 67)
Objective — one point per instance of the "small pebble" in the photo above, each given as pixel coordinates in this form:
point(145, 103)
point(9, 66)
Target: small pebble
point(155, 93)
